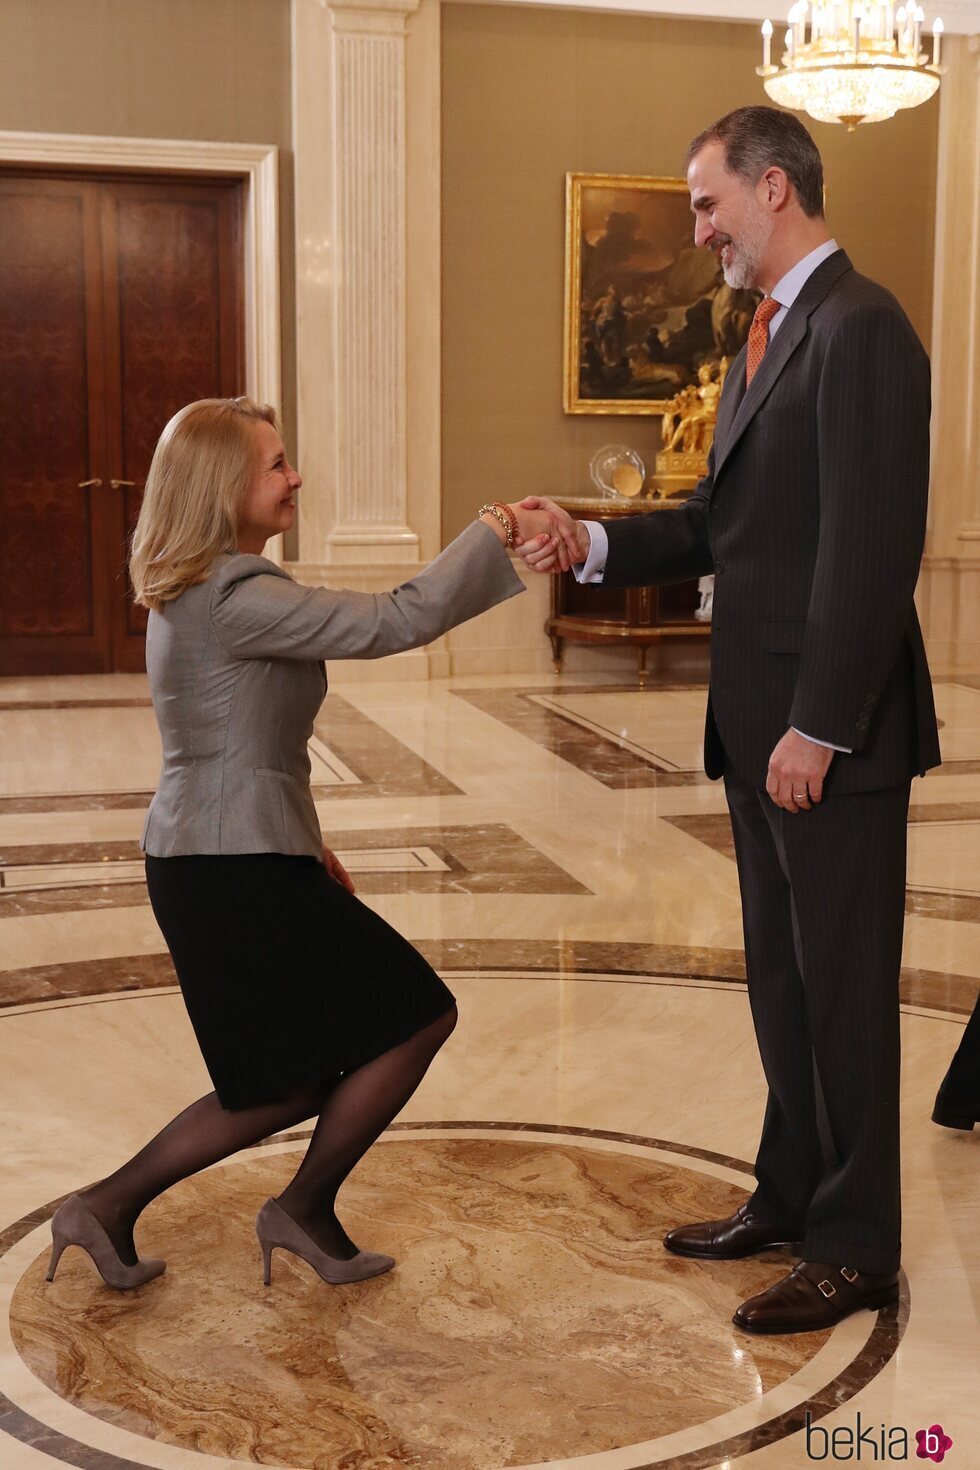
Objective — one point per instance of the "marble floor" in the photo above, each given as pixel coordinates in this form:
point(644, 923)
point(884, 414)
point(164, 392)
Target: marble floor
point(553, 847)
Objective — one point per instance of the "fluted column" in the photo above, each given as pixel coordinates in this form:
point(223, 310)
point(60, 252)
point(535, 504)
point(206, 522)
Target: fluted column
point(350, 134)
point(950, 588)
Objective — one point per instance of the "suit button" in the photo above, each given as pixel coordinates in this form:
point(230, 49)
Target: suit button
point(719, 568)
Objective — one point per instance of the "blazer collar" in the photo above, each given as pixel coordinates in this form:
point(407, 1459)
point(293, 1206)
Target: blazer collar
point(791, 333)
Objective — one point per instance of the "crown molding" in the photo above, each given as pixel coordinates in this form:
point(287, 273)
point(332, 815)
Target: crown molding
point(960, 17)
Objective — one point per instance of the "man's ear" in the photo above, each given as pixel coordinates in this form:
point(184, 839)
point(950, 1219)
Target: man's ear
point(774, 188)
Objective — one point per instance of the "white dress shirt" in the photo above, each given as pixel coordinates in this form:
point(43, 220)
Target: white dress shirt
point(785, 292)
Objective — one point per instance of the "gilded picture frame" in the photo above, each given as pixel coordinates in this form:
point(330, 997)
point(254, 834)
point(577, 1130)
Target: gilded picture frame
point(644, 306)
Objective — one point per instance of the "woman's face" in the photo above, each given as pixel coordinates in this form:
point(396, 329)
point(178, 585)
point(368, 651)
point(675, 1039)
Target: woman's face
point(270, 505)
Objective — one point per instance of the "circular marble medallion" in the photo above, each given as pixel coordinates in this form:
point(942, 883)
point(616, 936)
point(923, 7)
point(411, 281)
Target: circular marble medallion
point(533, 1315)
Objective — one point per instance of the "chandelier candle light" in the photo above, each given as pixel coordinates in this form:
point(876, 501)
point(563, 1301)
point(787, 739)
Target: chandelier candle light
point(852, 61)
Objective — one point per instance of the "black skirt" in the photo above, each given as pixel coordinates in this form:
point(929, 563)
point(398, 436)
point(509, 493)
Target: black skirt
point(288, 979)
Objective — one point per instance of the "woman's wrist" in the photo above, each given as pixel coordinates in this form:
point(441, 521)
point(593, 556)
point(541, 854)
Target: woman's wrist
point(495, 526)
point(503, 520)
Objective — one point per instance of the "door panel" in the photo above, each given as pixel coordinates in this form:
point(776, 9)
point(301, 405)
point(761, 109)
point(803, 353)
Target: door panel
point(120, 301)
point(52, 595)
point(172, 325)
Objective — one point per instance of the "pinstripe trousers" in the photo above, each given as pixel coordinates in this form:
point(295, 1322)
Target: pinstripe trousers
point(823, 909)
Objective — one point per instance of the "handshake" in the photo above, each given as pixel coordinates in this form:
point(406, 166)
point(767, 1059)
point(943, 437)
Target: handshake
point(544, 535)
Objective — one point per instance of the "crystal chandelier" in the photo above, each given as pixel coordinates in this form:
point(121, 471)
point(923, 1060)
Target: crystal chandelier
point(853, 61)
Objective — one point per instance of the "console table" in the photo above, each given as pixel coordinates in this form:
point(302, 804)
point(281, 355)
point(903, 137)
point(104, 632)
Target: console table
point(635, 616)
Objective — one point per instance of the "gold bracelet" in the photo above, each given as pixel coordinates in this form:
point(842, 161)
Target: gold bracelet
point(493, 508)
point(511, 515)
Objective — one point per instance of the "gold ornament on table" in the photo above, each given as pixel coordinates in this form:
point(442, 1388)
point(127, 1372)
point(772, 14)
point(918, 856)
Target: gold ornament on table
point(627, 480)
point(687, 430)
point(853, 61)
point(617, 471)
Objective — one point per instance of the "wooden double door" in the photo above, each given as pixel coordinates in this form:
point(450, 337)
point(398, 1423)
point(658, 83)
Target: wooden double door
point(120, 301)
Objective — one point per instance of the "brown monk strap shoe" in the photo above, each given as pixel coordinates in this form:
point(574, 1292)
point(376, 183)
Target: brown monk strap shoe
point(814, 1296)
point(741, 1234)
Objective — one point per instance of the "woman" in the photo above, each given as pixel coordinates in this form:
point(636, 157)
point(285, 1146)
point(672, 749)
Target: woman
point(303, 1000)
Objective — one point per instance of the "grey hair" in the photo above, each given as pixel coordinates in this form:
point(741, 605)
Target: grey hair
point(757, 138)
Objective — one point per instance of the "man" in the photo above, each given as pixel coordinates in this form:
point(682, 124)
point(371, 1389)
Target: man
point(812, 517)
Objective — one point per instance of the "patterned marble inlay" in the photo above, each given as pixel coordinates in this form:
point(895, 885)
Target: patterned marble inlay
point(38, 877)
point(89, 749)
point(958, 706)
point(944, 855)
point(617, 764)
point(585, 961)
point(103, 754)
point(489, 858)
point(381, 763)
point(665, 730)
point(629, 737)
point(533, 1314)
point(82, 801)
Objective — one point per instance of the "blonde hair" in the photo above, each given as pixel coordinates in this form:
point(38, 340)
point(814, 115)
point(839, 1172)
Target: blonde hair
point(199, 476)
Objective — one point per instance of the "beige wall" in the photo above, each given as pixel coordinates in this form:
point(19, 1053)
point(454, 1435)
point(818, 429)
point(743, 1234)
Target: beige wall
point(530, 94)
point(207, 69)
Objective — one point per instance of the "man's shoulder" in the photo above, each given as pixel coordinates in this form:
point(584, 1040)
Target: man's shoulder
point(857, 302)
point(854, 293)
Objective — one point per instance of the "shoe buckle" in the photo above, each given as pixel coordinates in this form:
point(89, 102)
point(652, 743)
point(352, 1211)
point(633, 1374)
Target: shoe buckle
point(827, 1289)
point(848, 1275)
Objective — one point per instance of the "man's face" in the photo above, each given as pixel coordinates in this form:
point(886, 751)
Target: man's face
point(729, 217)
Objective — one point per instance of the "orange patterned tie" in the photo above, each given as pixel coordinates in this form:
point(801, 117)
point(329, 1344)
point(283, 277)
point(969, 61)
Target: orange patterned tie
point(759, 335)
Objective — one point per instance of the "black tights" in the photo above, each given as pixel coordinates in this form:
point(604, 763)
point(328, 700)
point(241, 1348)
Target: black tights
point(353, 1112)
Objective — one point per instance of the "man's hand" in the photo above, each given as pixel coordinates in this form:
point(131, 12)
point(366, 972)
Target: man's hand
point(797, 768)
point(538, 536)
point(536, 533)
point(574, 538)
point(337, 870)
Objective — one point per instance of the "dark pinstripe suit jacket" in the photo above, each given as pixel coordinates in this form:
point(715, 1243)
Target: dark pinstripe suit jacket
point(812, 517)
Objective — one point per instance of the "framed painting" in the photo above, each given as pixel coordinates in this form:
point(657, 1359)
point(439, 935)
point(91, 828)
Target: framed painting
point(644, 307)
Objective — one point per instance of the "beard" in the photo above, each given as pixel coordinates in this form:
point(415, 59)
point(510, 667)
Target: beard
point(741, 272)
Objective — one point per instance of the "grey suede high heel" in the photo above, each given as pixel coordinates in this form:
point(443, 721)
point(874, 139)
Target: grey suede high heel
point(74, 1224)
point(275, 1228)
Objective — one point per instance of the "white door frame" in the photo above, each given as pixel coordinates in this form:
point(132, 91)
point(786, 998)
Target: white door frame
point(257, 164)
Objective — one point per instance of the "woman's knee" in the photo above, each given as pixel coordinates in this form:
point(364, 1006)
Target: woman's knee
point(443, 1028)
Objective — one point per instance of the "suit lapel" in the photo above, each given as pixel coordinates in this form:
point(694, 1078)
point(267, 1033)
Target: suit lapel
point(789, 336)
point(731, 396)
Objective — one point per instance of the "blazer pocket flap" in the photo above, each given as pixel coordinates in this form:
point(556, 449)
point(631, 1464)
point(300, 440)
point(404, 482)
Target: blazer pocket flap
point(785, 637)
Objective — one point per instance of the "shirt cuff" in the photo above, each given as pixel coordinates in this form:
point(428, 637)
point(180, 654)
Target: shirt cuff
point(844, 749)
point(594, 566)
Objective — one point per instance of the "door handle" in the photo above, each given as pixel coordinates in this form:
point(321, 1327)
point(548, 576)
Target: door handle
point(84, 484)
point(119, 484)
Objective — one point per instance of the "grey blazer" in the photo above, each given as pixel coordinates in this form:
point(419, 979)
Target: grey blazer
point(236, 673)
